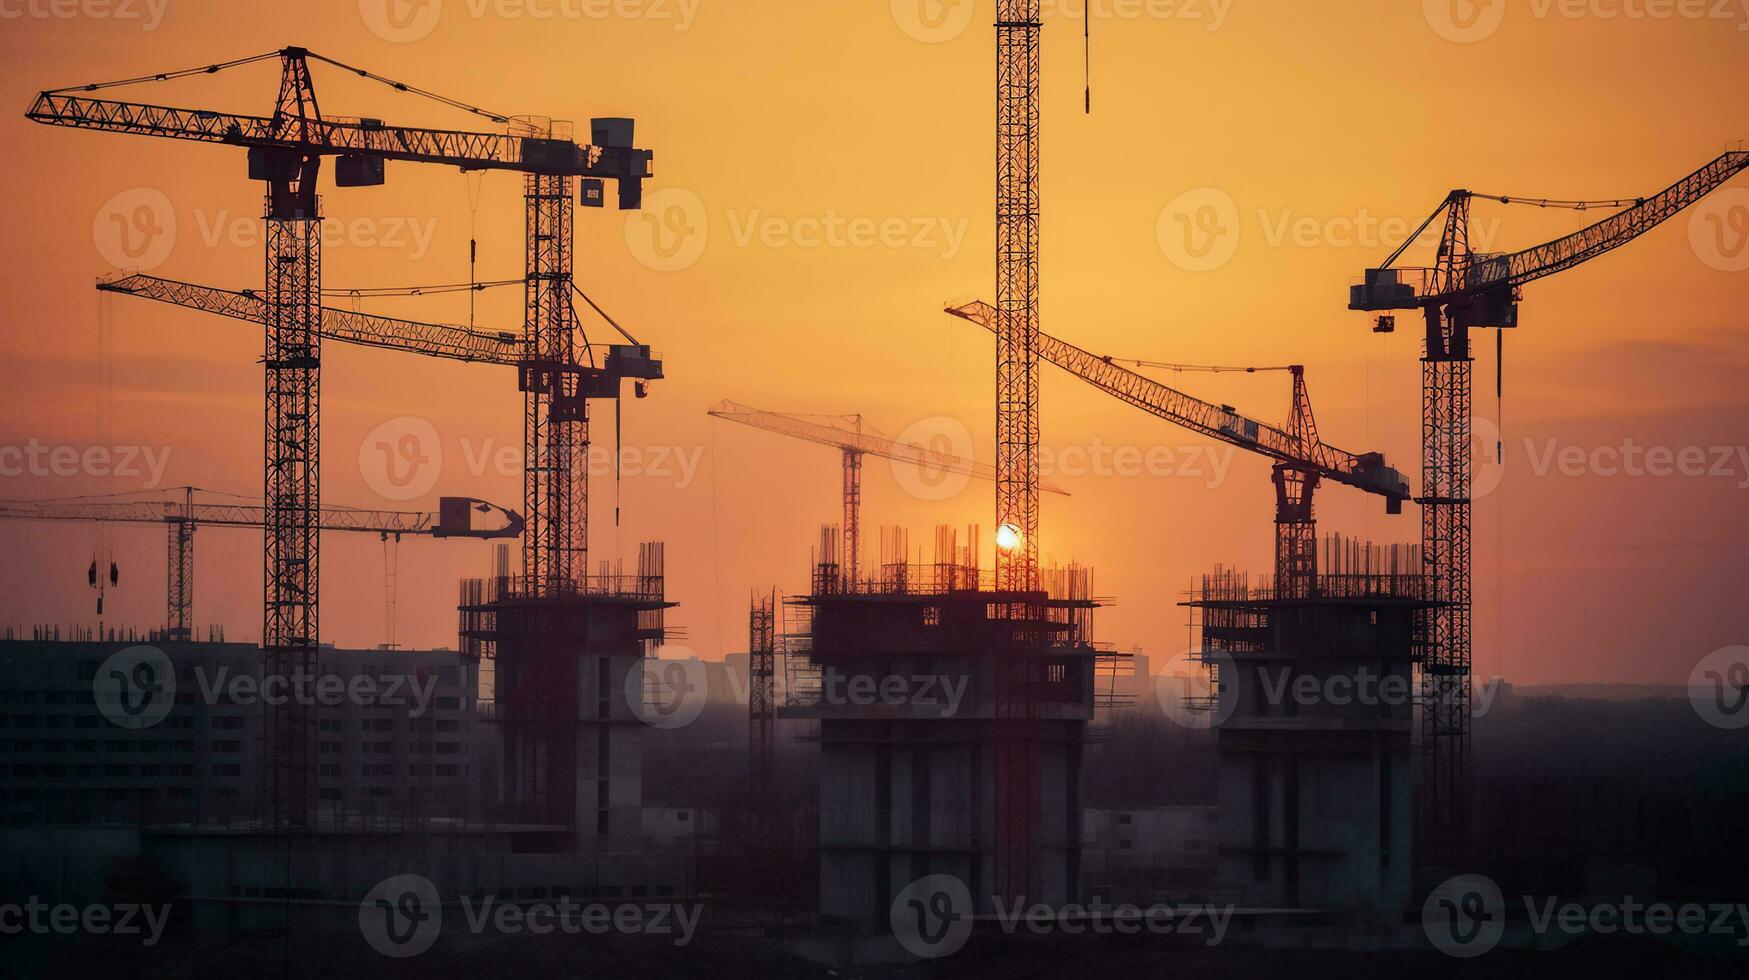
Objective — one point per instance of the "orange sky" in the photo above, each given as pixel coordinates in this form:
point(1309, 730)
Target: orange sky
point(1323, 126)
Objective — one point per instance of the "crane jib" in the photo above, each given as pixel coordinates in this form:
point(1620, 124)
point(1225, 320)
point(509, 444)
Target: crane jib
point(471, 150)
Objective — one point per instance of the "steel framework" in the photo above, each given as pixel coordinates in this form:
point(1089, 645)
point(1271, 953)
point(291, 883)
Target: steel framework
point(348, 326)
point(179, 577)
point(762, 712)
point(555, 488)
point(1017, 265)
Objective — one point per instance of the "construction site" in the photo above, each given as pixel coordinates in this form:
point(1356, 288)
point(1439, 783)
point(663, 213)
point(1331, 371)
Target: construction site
point(929, 743)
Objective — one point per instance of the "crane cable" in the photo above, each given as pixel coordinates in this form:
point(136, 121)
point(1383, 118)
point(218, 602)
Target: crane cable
point(471, 184)
point(1543, 202)
point(1087, 58)
point(1202, 368)
point(214, 69)
point(164, 76)
point(404, 87)
point(375, 292)
point(610, 320)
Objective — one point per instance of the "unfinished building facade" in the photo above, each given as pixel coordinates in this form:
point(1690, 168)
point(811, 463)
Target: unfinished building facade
point(951, 722)
point(565, 689)
point(1312, 700)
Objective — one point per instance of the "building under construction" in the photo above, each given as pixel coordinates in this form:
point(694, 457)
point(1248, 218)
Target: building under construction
point(567, 685)
point(951, 723)
point(1312, 701)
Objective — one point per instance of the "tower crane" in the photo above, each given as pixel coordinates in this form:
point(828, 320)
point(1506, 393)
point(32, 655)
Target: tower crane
point(285, 150)
point(1302, 459)
point(1464, 290)
point(847, 434)
point(181, 515)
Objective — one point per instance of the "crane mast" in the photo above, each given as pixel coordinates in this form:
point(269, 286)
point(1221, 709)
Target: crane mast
point(1017, 370)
